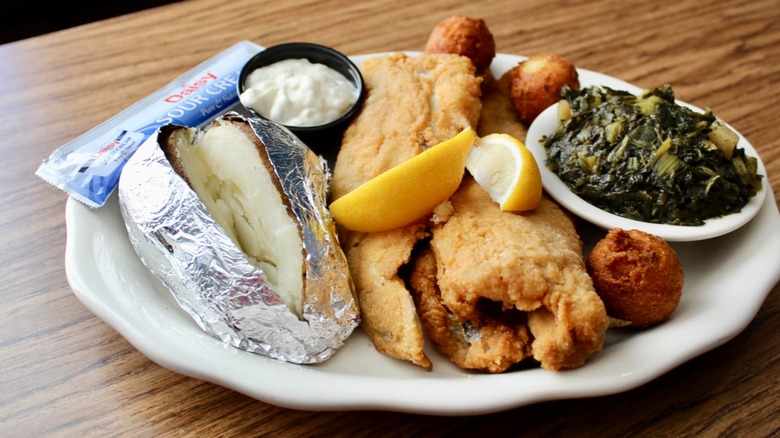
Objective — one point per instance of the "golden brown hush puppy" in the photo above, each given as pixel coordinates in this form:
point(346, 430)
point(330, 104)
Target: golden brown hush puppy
point(637, 275)
point(537, 84)
point(464, 36)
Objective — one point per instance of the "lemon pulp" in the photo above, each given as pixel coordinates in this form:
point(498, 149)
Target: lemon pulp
point(505, 169)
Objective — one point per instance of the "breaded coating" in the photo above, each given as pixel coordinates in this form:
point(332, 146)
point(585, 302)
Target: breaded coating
point(531, 262)
point(491, 342)
point(537, 84)
point(464, 36)
point(412, 104)
point(387, 312)
point(498, 114)
point(638, 276)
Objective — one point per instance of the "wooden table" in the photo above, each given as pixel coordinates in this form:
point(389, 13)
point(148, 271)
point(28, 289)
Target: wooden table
point(66, 373)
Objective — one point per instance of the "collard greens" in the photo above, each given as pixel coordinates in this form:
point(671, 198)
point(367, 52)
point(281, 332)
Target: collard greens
point(647, 158)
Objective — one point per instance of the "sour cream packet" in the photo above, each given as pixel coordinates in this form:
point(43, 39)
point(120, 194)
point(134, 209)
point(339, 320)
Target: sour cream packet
point(88, 167)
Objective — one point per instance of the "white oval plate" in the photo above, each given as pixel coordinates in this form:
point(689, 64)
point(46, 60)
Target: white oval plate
point(547, 123)
point(107, 276)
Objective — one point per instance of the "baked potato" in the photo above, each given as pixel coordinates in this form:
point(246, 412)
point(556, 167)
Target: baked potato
point(233, 219)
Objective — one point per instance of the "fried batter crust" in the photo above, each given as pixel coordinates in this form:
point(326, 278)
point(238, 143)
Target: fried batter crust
point(412, 104)
point(465, 36)
point(387, 312)
point(537, 83)
point(484, 343)
point(638, 276)
point(498, 114)
point(531, 262)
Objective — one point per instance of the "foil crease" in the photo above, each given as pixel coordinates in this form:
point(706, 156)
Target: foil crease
point(210, 277)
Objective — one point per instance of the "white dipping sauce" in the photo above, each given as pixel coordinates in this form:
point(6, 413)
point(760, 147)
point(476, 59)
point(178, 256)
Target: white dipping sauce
point(297, 92)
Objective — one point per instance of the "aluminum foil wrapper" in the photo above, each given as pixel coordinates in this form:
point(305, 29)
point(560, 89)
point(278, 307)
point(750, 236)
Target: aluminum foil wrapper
point(210, 277)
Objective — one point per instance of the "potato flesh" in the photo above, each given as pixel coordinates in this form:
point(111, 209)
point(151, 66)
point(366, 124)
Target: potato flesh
point(224, 168)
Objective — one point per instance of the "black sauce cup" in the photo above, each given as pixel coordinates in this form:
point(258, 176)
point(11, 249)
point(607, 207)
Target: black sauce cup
point(322, 139)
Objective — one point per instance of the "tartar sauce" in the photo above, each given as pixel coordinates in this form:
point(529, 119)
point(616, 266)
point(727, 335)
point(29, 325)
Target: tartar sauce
point(297, 92)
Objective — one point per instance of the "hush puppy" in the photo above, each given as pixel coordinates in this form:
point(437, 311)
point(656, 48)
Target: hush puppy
point(464, 36)
point(637, 275)
point(537, 84)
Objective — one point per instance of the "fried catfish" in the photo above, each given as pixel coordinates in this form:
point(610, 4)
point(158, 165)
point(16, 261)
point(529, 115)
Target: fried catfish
point(412, 103)
point(511, 285)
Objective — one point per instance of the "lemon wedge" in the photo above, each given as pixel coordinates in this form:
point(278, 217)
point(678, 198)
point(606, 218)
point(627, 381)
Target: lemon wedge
point(407, 192)
point(503, 166)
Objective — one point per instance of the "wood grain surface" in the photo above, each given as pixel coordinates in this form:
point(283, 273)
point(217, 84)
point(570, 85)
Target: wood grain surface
point(66, 373)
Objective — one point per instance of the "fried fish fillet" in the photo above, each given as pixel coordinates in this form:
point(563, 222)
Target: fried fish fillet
point(531, 262)
point(498, 115)
point(412, 104)
point(492, 341)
